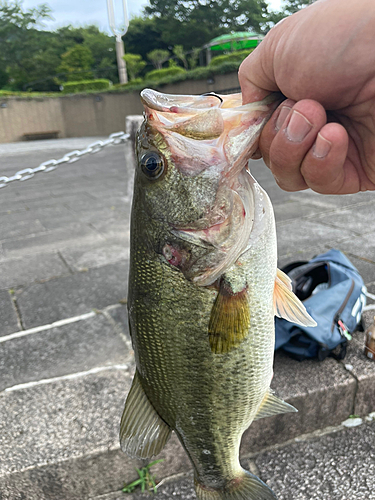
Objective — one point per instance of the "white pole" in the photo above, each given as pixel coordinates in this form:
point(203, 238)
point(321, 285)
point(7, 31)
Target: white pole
point(119, 33)
point(121, 64)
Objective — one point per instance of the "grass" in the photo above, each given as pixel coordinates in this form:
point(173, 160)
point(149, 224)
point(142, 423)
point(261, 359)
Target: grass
point(16, 93)
point(145, 481)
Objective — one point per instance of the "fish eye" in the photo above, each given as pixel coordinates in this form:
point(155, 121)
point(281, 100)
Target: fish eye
point(152, 165)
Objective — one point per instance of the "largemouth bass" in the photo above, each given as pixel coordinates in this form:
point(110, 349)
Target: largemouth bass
point(203, 289)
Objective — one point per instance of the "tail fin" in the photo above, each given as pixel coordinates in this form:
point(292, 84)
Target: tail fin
point(246, 487)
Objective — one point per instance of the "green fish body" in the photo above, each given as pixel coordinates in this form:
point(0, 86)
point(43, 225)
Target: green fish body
point(203, 289)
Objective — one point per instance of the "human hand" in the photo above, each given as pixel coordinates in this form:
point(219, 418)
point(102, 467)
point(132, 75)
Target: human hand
point(321, 58)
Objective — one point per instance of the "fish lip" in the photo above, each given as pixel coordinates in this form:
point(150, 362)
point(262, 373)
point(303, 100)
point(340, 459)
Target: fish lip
point(158, 101)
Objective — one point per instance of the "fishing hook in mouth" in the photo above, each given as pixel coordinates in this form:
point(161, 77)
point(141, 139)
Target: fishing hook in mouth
point(213, 95)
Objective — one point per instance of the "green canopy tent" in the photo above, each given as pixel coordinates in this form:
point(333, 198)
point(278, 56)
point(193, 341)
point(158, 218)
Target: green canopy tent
point(233, 41)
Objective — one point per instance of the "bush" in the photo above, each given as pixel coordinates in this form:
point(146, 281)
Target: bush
point(17, 93)
point(237, 57)
point(8, 92)
point(200, 73)
point(85, 85)
point(158, 74)
point(133, 84)
point(134, 65)
point(135, 81)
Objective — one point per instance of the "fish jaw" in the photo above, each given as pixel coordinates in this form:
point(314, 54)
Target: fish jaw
point(205, 132)
point(210, 138)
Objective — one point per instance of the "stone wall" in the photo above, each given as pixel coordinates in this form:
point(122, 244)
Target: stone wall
point(91, 114)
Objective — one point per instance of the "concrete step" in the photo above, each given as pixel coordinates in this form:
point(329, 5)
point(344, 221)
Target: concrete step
point(60, 414)
point(335, 464)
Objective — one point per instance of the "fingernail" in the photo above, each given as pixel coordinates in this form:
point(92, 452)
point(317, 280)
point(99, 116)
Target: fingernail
point(284, 112)
point(298, 127)
point(321, 147)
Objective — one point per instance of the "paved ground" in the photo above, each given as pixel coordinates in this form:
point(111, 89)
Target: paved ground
point(336, 466)
point(65, 355)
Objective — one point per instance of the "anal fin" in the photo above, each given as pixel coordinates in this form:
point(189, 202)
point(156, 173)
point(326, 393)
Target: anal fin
point(287, 305)
point(143, 433)
point(272, 405)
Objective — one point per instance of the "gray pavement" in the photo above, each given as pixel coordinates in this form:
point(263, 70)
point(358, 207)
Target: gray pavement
point(66, 361)
point(339, 465)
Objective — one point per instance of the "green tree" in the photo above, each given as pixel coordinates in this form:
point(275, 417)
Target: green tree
point(4, 78)
point(289, 7)
point(188, 22)
point(194, 57)
point(31, 56)
point(134, 64)
point(292, 6)
point(178, 51)
point(76, 64)
point(107, 68)
point(21, 41)
point(15, 22)
point(143, 36)
point(101, 45)
point(158, 57)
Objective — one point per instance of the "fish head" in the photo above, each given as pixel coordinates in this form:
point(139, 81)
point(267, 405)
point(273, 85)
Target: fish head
point(192, 156)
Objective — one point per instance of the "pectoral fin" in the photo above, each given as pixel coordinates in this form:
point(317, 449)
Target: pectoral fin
point(230, 319)
point(272, 405)
point(287, 305)
point(143, 433)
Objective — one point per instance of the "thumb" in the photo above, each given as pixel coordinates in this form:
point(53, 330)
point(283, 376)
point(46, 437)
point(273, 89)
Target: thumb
point(256, 73)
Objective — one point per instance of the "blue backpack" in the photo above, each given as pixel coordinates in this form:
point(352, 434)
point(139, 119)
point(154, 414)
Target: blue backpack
point(334, 294)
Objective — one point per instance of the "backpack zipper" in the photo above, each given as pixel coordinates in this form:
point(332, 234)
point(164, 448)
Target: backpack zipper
point(342, 307)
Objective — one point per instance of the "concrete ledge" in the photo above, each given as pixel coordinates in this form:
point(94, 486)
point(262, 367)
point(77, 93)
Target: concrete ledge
point(363, 369)
point(60, 440)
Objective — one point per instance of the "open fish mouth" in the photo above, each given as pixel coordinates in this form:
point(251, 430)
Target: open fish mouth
point(208, 132)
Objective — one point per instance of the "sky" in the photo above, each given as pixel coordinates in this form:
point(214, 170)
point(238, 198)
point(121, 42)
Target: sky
point(84, 12)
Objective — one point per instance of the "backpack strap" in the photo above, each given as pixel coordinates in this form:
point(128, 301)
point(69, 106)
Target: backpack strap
point(293, 265)
point(307, 276)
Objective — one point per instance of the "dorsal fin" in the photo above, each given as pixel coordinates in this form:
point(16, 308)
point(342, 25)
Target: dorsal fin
point(285, 279)
point(287, 305)
point(230, 319)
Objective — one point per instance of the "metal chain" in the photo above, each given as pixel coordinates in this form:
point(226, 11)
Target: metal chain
point(73, 156)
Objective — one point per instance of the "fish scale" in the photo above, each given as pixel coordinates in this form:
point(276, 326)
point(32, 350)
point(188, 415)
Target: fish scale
point(184, 381)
